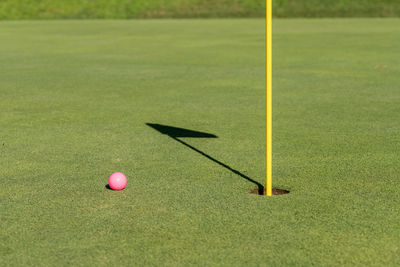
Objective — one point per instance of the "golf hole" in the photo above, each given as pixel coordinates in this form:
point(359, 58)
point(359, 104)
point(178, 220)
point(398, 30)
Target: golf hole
point(275, 192)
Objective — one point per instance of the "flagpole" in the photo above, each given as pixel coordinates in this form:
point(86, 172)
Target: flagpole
point(269, 95)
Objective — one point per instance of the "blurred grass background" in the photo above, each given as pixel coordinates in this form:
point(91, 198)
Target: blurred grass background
point(129, 9)
point(336, 8)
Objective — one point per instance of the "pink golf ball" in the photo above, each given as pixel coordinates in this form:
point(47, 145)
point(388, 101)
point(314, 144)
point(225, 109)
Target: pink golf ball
point(117, 181)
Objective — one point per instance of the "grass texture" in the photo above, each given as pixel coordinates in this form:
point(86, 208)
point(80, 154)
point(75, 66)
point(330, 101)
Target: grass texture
point(336, 8)
point(75, 100)
point(128, 9)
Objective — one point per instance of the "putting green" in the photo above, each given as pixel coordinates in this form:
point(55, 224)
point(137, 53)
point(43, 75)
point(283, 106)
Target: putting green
point(76, 102)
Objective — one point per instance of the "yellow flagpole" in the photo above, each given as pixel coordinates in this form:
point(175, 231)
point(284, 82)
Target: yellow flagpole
point(269, 94)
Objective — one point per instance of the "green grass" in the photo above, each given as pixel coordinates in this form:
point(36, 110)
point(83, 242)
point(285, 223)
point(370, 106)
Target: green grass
point(74, 100)
point(336, 8)
point(127, 9)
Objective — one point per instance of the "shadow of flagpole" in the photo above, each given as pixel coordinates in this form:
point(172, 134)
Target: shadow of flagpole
point(175, 132)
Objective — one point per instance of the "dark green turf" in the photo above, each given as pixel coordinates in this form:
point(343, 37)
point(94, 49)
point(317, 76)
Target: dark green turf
point(128, 9)
point(75, 97)
point(335, 8)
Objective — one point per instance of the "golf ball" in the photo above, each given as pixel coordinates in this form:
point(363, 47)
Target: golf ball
point(117, 181)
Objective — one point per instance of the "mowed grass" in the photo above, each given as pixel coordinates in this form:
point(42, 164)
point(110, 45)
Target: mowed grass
point(75, 97)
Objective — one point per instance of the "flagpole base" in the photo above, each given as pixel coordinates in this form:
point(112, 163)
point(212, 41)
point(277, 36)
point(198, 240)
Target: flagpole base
point(275, 192)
